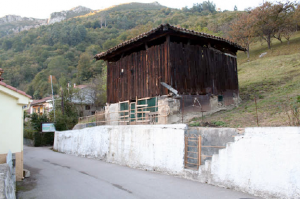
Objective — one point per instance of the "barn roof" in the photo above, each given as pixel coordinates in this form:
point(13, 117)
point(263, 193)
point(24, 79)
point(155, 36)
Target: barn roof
point(163, 29)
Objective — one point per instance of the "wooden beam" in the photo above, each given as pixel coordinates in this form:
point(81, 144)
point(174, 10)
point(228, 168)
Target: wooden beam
point(199, 151)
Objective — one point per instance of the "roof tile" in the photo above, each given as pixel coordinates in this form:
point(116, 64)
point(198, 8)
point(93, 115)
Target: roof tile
point(14, 89)
point(162, 26)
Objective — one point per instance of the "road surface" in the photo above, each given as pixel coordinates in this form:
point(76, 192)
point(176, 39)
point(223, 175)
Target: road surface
point(60, 176)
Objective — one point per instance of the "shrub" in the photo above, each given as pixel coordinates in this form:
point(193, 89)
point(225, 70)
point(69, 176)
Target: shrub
point(43, 139)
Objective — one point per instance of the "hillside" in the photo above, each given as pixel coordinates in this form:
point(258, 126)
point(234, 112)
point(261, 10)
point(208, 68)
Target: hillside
point(66, 49)
point(273, 80)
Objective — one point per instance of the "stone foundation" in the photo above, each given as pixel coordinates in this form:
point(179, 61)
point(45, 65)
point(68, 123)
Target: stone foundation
point(170, 108)
point(18, 164)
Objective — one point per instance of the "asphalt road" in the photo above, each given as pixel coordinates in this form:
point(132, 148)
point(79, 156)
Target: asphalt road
point(60, 176)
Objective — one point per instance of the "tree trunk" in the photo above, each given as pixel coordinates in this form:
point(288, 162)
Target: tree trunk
point(248, 51)
point(269, 41)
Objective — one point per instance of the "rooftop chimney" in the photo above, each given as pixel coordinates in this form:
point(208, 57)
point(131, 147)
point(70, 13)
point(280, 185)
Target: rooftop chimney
point(1, 72)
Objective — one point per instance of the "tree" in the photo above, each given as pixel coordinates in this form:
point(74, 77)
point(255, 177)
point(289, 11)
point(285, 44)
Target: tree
point(58, 66)
point(84, 67)
point(235, 8)
point(243, 30)
point(37, 120)
point(98, 85)
point(6, 44)
point(66, 114)
point(270, 17)
point(296, 16)
point(288, 29)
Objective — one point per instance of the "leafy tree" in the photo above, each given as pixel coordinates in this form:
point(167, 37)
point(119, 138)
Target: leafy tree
point(58, 66)
point(37, 120)
point(66, 114)
point(235, 8)
point(243, 30)
point(270, 17)
point(84, 67)
point(6, 44)
point(98, 85)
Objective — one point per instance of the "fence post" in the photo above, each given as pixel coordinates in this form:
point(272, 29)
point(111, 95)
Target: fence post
point(199, 151)
point(185, 150)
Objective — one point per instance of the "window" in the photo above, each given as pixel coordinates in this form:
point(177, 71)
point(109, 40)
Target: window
point(93, 112)
point(220, 98)
point(87, 107)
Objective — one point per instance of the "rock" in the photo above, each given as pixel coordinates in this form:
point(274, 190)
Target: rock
point(60, 16)
point(26, 173)
point(263, 54)
point(18, 23)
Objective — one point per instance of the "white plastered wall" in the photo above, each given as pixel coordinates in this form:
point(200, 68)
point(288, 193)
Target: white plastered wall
point(264, 162)
point(11, 120)
point(152, 147)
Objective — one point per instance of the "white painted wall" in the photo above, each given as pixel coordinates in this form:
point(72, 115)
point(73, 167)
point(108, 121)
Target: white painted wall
point(152, 147)
point(264, 161)
point(112, 114)
point(11, 120)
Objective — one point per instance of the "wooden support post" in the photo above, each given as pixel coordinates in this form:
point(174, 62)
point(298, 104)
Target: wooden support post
point(185, 150)
point(199, 151)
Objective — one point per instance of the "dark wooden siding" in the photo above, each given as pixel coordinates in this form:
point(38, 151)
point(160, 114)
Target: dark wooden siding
point(199, 70)
point(143, 72)
point(190, 69)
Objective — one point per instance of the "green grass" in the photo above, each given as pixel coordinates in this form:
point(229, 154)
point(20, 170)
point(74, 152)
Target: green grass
point(272, 79)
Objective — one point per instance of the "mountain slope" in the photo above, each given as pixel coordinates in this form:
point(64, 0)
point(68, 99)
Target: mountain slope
point(65, 49)
point(10, 24)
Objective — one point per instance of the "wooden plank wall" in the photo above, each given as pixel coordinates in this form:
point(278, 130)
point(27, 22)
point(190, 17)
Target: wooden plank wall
point(199, 70)
point(143, 72)
point(190, 69)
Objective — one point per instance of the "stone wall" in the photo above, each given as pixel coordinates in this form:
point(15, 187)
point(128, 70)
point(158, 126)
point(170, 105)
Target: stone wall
point(7, 190)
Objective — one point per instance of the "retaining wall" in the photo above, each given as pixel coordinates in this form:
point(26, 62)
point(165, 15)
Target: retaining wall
point(263, 161)
point(212, 137)
point(151, 147)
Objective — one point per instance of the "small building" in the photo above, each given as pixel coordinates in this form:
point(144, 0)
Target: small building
point(84, 100)
point(12, 102)
point(41, 106)
point(173, 72)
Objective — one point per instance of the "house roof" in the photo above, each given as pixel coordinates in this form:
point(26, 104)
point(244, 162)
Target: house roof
point(81, 86)
point(41, 100)
point(14, 89)
point(162, 29)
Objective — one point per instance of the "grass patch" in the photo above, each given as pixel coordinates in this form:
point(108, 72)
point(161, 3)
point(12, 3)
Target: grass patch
point(273, 80)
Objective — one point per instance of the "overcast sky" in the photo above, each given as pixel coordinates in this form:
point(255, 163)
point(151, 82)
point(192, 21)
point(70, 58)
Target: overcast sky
point(42, 9)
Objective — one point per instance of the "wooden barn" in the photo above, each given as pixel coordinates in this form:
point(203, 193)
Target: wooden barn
point(200, 68)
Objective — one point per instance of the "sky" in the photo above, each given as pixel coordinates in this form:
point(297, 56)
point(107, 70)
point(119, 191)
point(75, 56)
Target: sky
point(42, 9)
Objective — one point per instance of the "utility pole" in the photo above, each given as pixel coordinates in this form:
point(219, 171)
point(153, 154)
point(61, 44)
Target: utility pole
point(53, 103)
point(62, 101)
